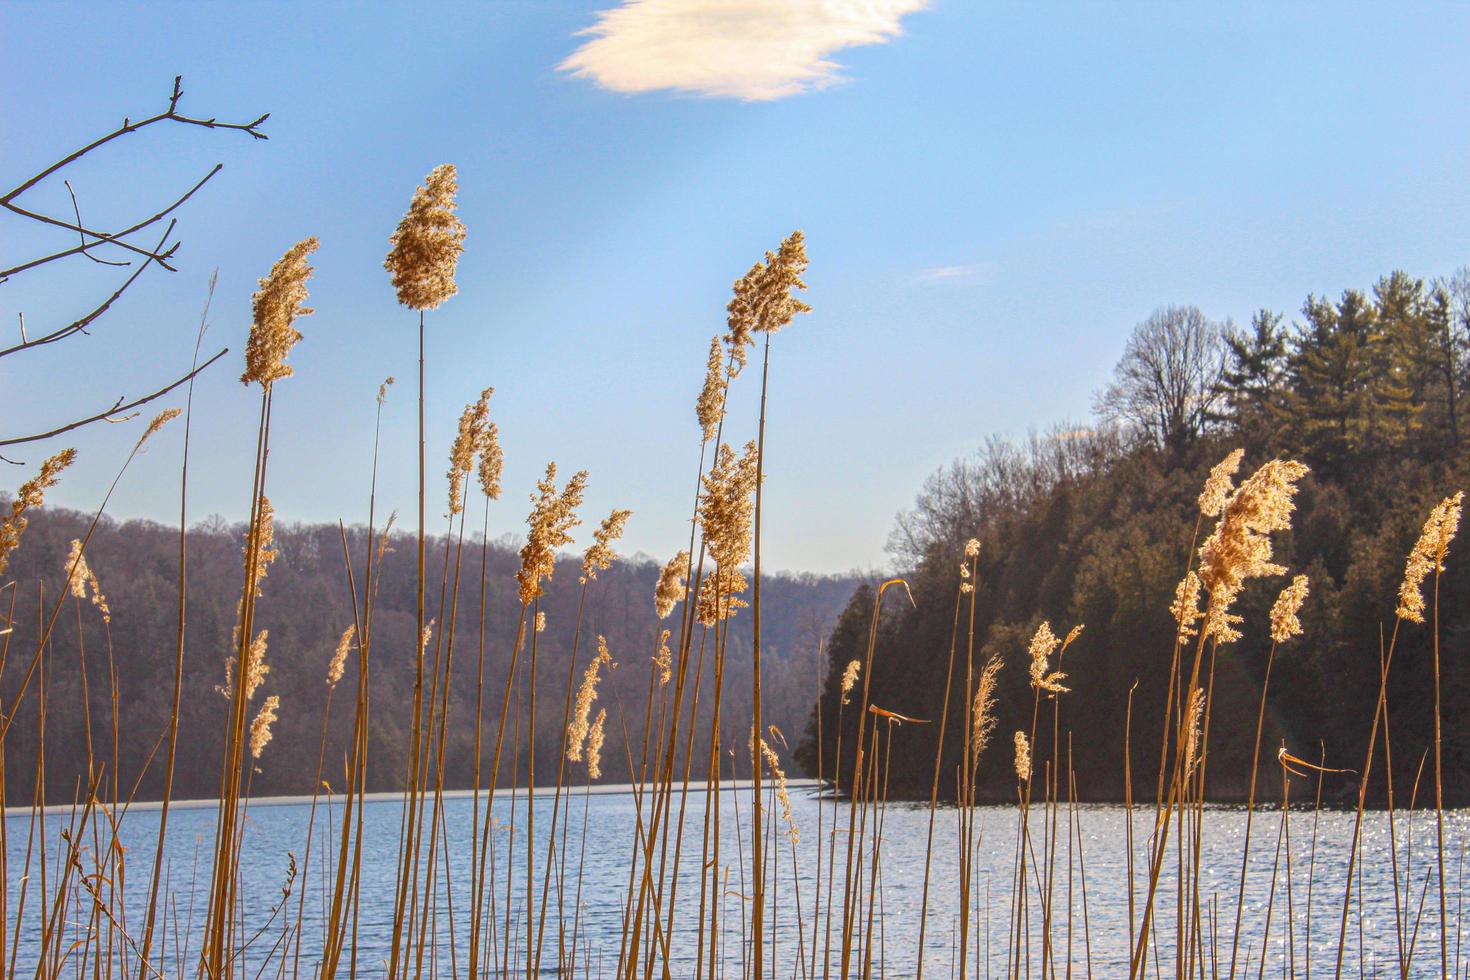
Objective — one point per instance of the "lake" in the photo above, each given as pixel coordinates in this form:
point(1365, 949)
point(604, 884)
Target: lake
point(1091, 925)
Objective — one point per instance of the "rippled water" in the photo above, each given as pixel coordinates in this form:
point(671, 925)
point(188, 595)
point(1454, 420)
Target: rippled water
point(1090, 915)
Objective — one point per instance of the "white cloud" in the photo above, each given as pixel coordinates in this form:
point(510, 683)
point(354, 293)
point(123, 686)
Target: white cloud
point(754, 50)
point(967, 274)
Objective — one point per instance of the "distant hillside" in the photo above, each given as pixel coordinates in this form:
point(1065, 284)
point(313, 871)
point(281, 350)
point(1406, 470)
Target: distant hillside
point(305, 607)
point(1093, 524)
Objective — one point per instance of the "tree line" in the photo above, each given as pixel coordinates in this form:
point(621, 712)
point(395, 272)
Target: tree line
point(1094, 524)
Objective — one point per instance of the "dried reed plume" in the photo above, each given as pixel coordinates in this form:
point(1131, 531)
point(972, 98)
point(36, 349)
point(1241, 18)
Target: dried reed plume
point(762, 300)
point(1284, 624)
point(849, 679)
point(586, 694)
point(972, 548)
point(264, 544)
point(338, 666)
point(1240, 546)
point(778, 775)
point(31, 494)
point(1043, 643)
point(428, 242)
point(492, 462)
point(664, 659)
point(1428, 555)
point(1219, 484)
point(260, 727)
point(255, 666)
point(553, 514)
point(594, 745)
point(983, 710)
point(601, 555)
point(1192, 716)
point(159, 421)
point(540, 621)
point(1023, 757)
point(725, 513)
point(711, 403)
point(1185, 607)
point(965, 585)
point(473, 422)
point(277, 304)
point(383, 389)
point(671, 589)
point(84, 579)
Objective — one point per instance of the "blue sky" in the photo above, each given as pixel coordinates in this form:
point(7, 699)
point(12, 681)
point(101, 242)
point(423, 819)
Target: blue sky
point(992, 197)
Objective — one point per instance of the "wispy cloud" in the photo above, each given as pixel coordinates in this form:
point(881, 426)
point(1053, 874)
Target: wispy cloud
point(754, 50)
point(970, 274)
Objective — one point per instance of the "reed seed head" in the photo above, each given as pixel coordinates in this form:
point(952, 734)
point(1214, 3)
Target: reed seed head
point(277, 304)
point(264, 544)
point(255, 666)
point(31, 494)
point(1220, 483)
point(1240, 546)
point(763, 300)
point(1284, 624)
point(159, 421)
point(492, 462)
point(601, 555)
point(1185, 607)
point(849, 679)
point(1428, 555)
point(473, 422)
point(671, 589)
point(553, 515)
point(586, 693)
point(778, 776)
point(383, 389)
point(725, 513)
point(338, 666)
point(1192, 715)
point(711, 404)
point(664, 659)
point(1043, 643)
point(84, 579)
point(982, 710)
point(260, 728)
point(1023, 757)
point(428, 242)
point(594, 745)
point(540, 621)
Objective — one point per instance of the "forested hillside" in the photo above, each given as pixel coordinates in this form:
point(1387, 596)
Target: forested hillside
point(304, 608)
point(1094, 525)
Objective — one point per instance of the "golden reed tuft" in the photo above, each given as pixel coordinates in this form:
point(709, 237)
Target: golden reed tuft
point(428, 243)
point(664, 659)
point(778, 776)
point(849, 679)
point(265, 539)
point(159, 421)
point(1219, 484)
point(84, 579)
point(762, 300)
point(586, 694)
point(1192, 716)
point(1043, 643)
point(470, 437)
point(1185, 607)
point(671, 589)
point(1240, 546)
point(1428, 555)
point(1023, 757)
point(277, 304)
point(338, 665)
point(725, 514)
point(594, 745)
point(260, 728)
point(31, 494)
point(982, 717)
point(600, 555)
point(492, 462)
point(1284, 624)
point(553, 515)
point(711, 404)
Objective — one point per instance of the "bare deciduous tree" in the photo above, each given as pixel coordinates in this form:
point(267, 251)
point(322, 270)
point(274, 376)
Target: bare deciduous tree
point(1167, 383)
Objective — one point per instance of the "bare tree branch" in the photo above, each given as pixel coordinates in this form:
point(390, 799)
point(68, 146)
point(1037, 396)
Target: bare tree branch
point(116, 407)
